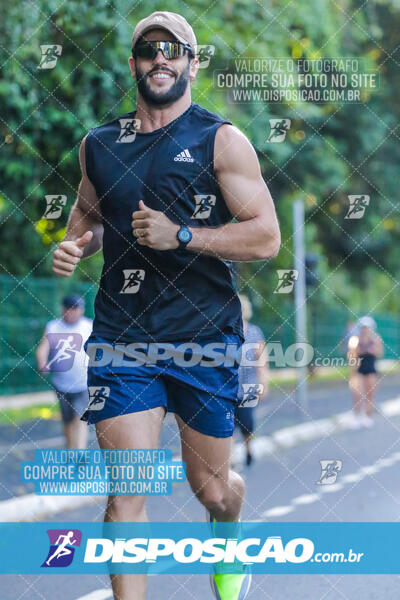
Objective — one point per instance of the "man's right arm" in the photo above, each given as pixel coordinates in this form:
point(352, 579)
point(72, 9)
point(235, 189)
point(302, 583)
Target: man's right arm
point(84, 234)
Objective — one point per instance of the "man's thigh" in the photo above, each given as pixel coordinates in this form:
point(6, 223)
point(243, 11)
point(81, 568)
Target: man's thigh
point(206, 456)
point(133, 430)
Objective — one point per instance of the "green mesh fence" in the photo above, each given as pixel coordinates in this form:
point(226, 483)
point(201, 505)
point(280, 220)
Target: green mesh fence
point(326, 327)
point(27, 304)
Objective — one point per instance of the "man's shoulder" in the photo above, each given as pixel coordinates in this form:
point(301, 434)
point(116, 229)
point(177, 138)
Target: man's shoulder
point(86, 323)
point(234, 151)
point(53, 325)
point(105, 129)
point(208, 116)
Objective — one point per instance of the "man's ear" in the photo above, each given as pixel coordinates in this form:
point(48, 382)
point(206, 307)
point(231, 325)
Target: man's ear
point(194, 67)
point(132, 66)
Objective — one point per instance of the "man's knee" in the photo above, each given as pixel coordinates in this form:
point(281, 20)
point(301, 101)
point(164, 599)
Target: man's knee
point(125, 508)
point(211, 491)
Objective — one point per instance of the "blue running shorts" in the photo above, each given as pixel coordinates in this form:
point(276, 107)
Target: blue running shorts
point(199, 385)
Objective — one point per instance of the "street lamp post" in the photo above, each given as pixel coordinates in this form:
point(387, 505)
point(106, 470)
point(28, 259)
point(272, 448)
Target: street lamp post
point(300, 300)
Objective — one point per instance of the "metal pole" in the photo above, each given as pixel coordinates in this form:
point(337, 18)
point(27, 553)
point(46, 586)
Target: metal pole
point(300, 300)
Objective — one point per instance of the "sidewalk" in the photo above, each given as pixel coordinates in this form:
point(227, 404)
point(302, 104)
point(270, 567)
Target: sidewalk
point(278, 376)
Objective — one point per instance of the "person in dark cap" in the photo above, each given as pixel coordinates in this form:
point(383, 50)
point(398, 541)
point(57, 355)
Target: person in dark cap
point(61, 352)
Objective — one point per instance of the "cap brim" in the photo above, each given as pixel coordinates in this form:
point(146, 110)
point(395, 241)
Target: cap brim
point(156, 26)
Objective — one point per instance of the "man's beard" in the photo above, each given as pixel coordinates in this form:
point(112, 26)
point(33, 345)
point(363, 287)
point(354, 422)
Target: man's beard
point(160, 99)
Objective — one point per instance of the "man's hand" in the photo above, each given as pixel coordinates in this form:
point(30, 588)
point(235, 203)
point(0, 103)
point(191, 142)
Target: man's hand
point(68, 255)
point(153, 229)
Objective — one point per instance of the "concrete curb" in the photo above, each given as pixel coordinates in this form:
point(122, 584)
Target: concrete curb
point(286, 438)
point(31, 506)
point(24, 400)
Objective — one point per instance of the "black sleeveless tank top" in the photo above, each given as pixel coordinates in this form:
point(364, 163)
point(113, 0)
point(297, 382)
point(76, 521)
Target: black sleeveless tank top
point(151, 295)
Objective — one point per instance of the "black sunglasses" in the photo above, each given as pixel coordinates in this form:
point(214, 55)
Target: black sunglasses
point(149, 49)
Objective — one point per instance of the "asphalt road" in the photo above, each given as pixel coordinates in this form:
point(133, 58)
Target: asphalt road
point(278, 411)
point(279, 488)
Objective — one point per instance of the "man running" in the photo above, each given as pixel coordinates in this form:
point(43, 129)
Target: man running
point(136, 200)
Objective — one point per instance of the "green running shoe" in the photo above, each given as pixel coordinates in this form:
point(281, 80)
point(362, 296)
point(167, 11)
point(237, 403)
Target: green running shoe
point(229, 586)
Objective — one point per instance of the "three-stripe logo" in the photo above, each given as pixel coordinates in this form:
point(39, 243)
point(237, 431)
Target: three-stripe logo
point(184, 156)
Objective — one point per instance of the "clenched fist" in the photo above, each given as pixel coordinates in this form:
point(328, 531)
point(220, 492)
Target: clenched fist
point(68, 255)
point(152, 228)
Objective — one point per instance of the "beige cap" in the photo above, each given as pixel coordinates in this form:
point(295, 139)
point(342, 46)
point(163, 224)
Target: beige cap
point(172, 22)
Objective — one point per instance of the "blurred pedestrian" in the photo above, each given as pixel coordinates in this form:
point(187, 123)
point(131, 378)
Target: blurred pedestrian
point(253, 379)
point(367, 346)
point(61, 352)
point(350, 331)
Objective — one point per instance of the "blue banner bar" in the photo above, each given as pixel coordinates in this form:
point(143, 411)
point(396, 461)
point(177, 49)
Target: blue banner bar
point(345, 548)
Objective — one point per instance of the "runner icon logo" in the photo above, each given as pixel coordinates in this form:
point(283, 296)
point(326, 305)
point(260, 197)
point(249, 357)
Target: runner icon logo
point(133, 279)
point(279, 129)
point(62, 547)
point(50, 54)
point(204, 54)
point(329, 471)
point(204, 204)
point(251, 394)
point(54, 206)
point(63, 347)
point(286, 278)
point(357, 206)
point(128, 131)
point(97, 396)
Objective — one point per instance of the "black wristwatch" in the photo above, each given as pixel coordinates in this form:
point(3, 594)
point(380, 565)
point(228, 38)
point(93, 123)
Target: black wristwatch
point(184, 236)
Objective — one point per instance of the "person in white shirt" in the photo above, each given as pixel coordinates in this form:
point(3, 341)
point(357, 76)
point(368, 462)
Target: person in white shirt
point(61, 352)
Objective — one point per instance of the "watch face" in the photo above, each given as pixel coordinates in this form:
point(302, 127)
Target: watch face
point(184, 235)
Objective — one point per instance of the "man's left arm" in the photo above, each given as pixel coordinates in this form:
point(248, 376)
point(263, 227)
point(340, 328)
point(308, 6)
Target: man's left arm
point(255, 235)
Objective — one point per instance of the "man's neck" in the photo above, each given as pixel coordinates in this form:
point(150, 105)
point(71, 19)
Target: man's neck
point(152, 118)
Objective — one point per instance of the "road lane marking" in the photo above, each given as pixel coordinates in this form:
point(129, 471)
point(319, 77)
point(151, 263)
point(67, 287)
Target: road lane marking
point(278, 511)
point(306, 499)
point(380, 463)
point(103, 594)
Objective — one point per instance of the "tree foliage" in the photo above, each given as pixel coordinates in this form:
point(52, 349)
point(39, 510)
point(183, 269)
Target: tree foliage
point(331, 151)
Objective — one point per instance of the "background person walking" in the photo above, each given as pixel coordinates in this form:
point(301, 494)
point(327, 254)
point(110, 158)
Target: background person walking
point(253, 380)
point(367, 347)
point(61, 353)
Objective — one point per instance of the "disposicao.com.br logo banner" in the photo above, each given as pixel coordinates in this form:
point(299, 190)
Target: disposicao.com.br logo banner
point(199, 547)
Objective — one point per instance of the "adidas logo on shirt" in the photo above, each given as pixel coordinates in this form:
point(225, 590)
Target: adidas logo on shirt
point(184, 156)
